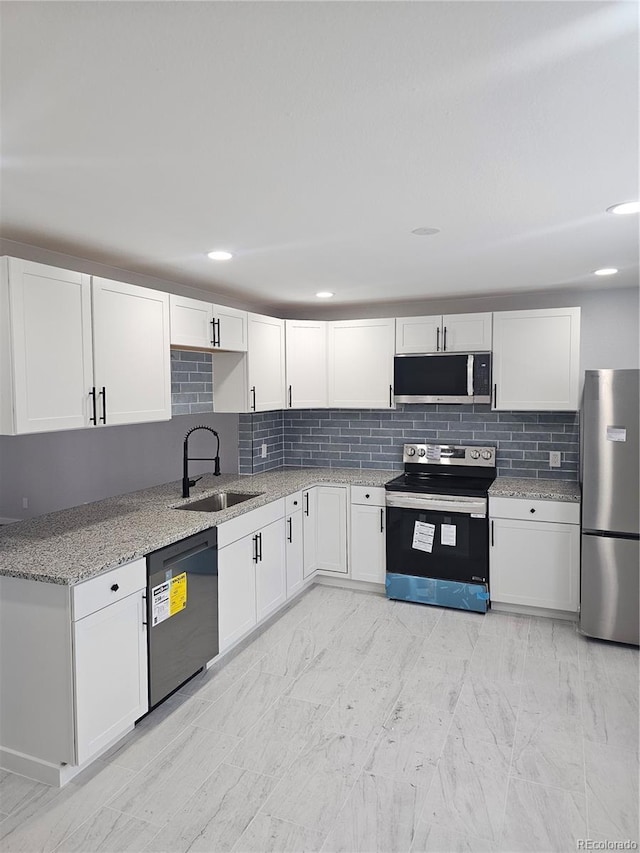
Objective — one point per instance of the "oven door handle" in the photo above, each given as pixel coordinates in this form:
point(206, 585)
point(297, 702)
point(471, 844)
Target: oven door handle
point(425, 503)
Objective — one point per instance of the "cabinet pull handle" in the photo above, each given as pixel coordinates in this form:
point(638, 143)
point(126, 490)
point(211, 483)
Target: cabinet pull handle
point(295, 503)
point(290, 536)
point(390, 396)
point(532, 509)
point(306, 503)
point(218, 344)
point(495, 396)
point(438, 339)
point(492, 536)
point(367, 496)
point(381, 521)
point(103, 394)
point(260, 546)
point(253, 397)
point(114, 587)
point(144, 609)
point(290, 403)
point(255, 548)
point(213, 332)
point(94, 418)
point(444, 339)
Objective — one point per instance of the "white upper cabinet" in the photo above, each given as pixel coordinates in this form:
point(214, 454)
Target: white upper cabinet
point(536, 357)
point(266, 363)
point(444, 333)
point(45, 348)
point(361, 363)
point(306, 362)
point(191, 322)
point(131, 352)
point(229, 328)
point(202, 325)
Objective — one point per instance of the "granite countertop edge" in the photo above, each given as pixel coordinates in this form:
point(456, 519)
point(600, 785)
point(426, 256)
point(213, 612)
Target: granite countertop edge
point(73, 545)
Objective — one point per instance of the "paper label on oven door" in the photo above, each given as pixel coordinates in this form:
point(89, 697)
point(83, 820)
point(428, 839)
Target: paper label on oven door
point(447, 534)
point(423, 534)
point(160, 603)
point(616, 433)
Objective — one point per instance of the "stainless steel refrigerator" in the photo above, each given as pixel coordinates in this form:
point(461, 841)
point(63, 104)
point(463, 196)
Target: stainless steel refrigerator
point(610, 567)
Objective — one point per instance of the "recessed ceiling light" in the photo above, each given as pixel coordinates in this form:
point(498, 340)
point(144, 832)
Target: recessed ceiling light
point(624, 208)
point(606, 271)
point(220, 256)
point(324, 294)
point(425, 232)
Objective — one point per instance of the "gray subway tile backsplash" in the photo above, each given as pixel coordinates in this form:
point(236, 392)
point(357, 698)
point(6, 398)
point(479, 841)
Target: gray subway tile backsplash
point(339, 438)
point(191, 383)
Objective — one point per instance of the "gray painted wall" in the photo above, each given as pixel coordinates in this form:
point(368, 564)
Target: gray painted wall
point(61, 469)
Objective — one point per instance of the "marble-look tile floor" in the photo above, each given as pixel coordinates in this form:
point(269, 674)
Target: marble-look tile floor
point(353, 723)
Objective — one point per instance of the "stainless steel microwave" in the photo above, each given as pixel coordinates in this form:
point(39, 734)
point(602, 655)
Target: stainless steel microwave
point(442, 378)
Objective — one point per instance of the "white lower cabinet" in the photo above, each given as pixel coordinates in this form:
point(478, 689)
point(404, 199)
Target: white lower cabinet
point(271, 578)
point(309, 532)
point(331, 529)
point(294, 552)
point(110, 666)
point(535, 563)
point(368, 535)
point(236, 590)
point(74, 669)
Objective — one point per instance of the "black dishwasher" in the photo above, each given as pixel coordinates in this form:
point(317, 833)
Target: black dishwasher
point(182, 611)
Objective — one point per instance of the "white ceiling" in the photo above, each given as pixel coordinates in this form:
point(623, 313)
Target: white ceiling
point(311, 138)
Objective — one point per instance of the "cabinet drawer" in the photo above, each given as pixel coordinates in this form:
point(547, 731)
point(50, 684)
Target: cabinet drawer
point(293, 503)
point(244, 525)
point(108, 588)
point(372, 495)
point(535, 510)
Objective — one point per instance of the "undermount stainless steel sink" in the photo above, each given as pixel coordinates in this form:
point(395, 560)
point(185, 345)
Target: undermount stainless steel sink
point(219, 501)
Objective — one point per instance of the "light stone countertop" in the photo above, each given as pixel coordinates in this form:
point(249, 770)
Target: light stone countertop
point(535, 489)
point(75, 544)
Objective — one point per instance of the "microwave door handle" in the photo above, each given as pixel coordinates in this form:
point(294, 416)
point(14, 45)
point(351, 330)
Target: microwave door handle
point(470, 359)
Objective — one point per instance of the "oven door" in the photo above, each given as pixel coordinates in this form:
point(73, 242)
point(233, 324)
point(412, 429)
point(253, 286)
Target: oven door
point(438, 536)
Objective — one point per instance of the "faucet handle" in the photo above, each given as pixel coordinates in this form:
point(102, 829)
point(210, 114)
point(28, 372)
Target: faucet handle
point(193, 481)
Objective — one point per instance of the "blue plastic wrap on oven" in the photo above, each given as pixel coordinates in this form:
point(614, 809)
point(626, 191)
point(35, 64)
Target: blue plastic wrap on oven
point(463, 596)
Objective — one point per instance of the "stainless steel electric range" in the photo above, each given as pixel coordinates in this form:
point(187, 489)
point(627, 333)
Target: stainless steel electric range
point(438, 527)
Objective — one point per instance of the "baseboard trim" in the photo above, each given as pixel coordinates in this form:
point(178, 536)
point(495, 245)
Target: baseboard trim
point(525, 610)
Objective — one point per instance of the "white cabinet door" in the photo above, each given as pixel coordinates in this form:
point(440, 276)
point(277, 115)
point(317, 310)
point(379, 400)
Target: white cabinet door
point(368, 542)
point(418, 334)
point(266, 363)
point(309, 530)
point(110, 665)
point(131, 352)
point(47, 341)
point(536, 358)
point(466, 332)
point(294, 555)
point(306, 360)
point(361, 363)
point(236, 590)
point(535, 563)
point(271, 575)
point(191, 322)
point(230, 328)
point(331, 528)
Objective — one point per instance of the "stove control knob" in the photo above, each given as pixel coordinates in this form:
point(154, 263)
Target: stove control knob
point(422, 452)
point(411, 451)
point(475, 454)
point(486, 454)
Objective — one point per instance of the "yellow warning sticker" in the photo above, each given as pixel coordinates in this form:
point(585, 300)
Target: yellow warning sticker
point(178, 594)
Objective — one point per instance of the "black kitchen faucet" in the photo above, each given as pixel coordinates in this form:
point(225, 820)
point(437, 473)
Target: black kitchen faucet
point(186, 482)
